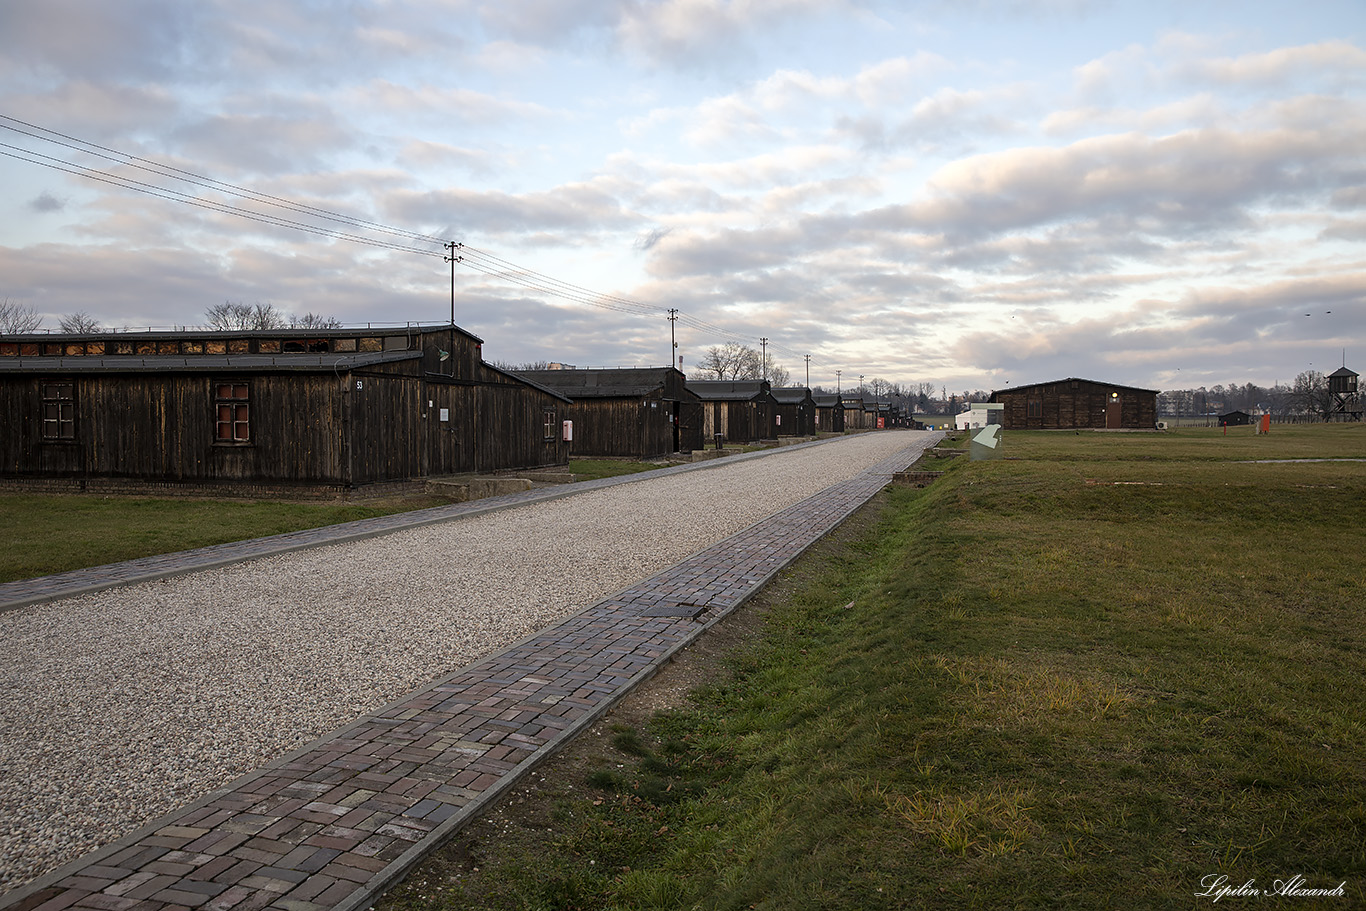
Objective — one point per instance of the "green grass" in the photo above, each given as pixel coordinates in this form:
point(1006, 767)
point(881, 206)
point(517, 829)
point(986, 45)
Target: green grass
point(1285, 441)
point(592, 469)
point(1086, 677)
point(42, 534)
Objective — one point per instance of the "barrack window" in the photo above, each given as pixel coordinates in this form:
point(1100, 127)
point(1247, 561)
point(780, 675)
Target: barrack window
point(233, 406)
point(59, 411)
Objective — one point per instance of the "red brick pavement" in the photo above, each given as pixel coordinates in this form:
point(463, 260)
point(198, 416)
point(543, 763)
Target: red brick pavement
point(337, 822)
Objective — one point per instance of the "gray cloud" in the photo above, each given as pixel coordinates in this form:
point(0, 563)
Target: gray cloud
point(649, 239)
point(89, 40)
point(45, 203)
point(579, 207)
point(292, 138)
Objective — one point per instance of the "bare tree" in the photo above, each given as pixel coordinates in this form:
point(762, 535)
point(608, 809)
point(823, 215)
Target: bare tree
point(734, 361)
point(79, 322)
point(1310, 393)
point(230, 316)
point(315, 321)
point(16, 318)
point(508, 367)
point(777, 374)
point(730, 361)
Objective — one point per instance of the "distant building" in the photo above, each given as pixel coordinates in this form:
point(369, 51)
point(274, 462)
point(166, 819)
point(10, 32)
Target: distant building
point(337, 408)
point(829, 413)
point(639, 413)
point(1077, 404)
point(1235, 419)
point(980, 415)
point(742, 411)
point(925, 421)
point(794, 411)
point(855, 417)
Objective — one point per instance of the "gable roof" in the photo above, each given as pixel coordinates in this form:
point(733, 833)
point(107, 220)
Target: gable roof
point(791, 395)
point(729, 390)
point(1070, 379)
point(199, 363)
point(155, 335)
point(614, 382)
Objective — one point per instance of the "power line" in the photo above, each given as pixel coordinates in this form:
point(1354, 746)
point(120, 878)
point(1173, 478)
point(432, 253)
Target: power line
point(165, 170)
point(479, 260)
point(166, 193)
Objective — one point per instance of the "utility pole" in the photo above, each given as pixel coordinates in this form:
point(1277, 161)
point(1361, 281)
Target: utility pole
point(673, 345)
point(808, 370)
point(453, 259)
point(763, 359)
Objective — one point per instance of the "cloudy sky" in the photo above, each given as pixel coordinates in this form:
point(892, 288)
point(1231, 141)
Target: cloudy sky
point(969, 192)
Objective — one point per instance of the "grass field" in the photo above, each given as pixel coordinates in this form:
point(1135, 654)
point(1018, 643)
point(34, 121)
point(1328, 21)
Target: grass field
point(45, 533)
point(592, 469)
point(1101, 673)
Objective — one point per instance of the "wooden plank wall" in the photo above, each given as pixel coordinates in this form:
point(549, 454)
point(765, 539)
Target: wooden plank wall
point(1064, 406)
point(162, 426)
point(378, 424)
point(510, 426)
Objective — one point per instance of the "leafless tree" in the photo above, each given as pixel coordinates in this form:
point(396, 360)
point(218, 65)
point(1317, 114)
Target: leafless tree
point(79, 322)
point(231, 316)
point(730, 361)
point(315, 321)
point(777, 374)
point(1310, 393)
point(16, 318)
point(734, 361)
point(515, 368)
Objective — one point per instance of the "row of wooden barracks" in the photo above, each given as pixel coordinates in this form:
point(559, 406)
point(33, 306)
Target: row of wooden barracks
point(346, 408)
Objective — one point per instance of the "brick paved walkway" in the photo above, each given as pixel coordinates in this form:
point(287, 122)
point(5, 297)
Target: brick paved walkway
point(334, 824)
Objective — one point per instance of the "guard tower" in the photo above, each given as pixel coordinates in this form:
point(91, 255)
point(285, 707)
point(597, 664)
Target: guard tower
point(1346, 400)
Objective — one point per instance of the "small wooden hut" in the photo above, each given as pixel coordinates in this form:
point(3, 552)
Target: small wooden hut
point(795, 411)
point(829, 413)
point(638, 413)
point(742, 411)
point(854, 414)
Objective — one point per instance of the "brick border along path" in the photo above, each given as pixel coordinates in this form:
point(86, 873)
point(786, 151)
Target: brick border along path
point(334, 824)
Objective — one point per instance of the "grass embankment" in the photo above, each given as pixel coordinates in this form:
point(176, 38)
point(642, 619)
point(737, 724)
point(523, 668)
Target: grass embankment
point(42, 533)
point(592, 469)
point(1090, 676)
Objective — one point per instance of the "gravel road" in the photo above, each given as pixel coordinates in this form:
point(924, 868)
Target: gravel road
point(119, 706)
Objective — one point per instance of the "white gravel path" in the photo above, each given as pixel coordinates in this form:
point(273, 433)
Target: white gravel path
point(119, 706)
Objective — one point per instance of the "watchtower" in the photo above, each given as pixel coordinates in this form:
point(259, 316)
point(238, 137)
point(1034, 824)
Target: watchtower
point(1346, 400)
